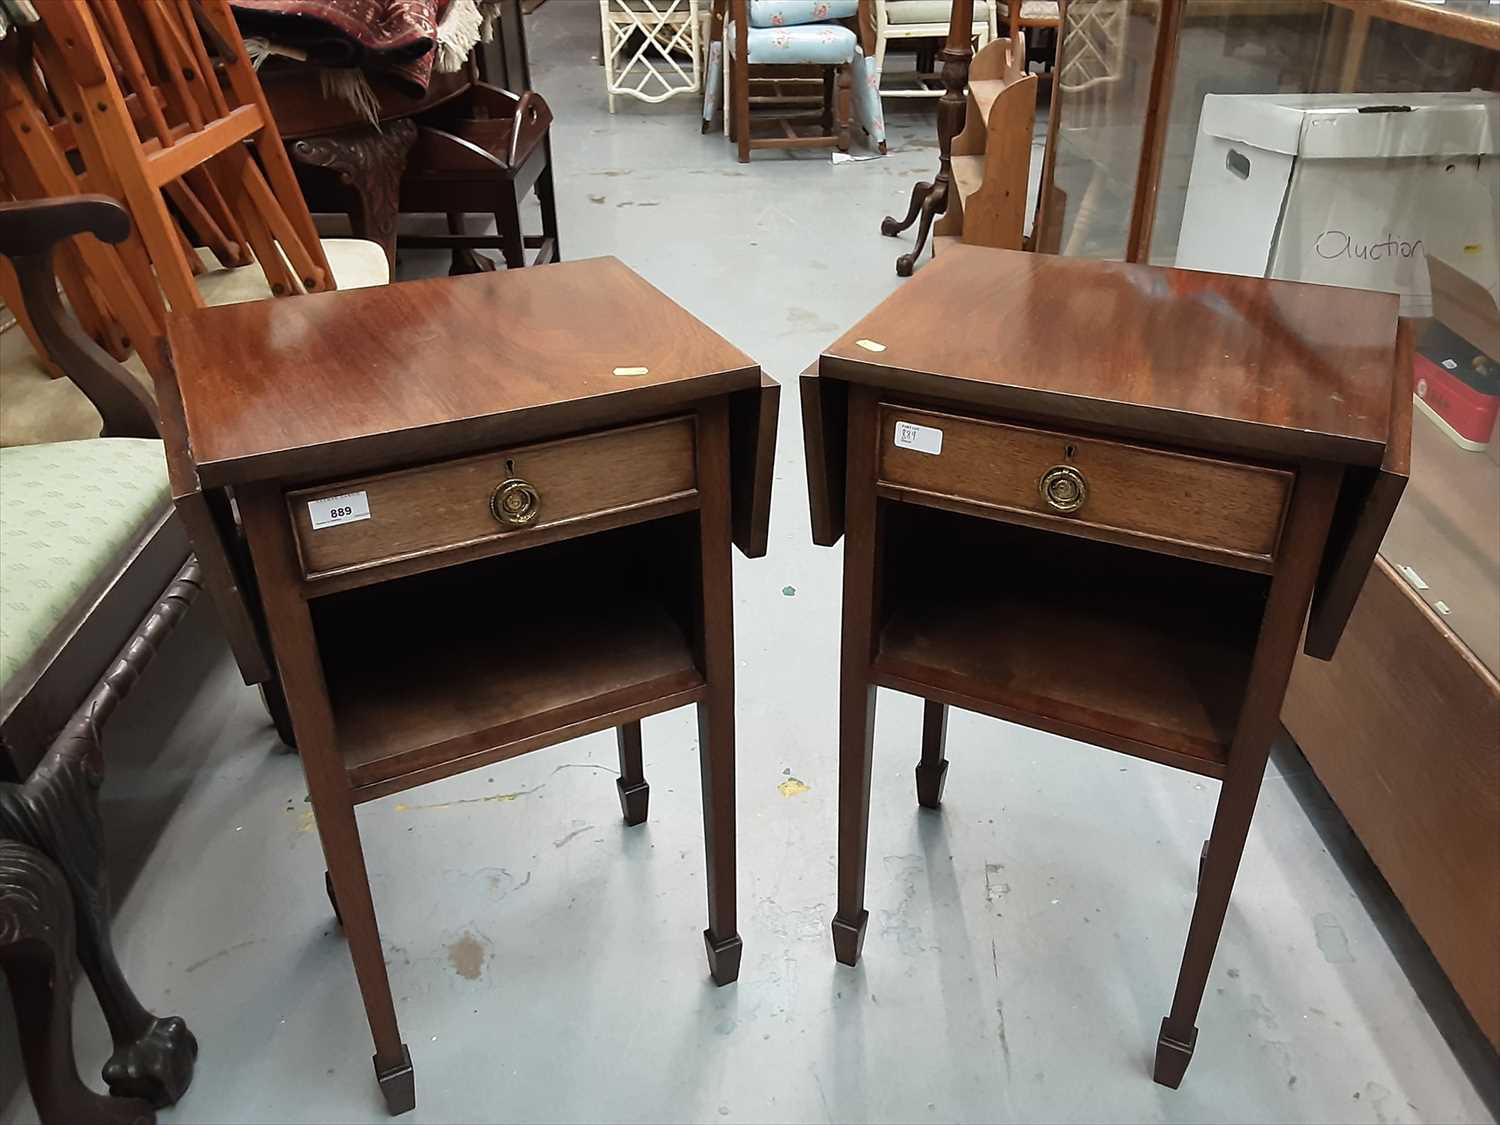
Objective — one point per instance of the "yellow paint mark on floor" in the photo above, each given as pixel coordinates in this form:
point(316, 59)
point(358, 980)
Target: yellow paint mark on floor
point(792, 787)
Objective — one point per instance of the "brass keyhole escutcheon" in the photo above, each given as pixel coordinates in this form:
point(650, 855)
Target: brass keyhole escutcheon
point(1064, 489)
point(515, 503)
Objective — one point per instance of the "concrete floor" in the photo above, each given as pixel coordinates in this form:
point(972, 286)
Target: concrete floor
point(546, 960)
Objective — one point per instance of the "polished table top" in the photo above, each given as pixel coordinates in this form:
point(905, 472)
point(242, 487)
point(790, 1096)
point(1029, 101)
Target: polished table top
point(1275, 368)
point(328, 382)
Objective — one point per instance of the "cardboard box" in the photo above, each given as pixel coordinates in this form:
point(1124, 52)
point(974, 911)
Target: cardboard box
point(1356, 190)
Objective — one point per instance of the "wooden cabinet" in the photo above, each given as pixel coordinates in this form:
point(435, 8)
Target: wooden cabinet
point(527, 543)
point(1096, 500)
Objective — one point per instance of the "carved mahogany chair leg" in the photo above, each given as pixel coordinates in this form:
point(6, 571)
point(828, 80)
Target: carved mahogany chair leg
point(154, 1056)
point(36, 954)
point(635, 794)
point(932, 770)
point(370, 163)
point(890, 227)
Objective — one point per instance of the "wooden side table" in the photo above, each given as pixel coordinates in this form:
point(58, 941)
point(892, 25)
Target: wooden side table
point(1098, 499)
point(467, 546)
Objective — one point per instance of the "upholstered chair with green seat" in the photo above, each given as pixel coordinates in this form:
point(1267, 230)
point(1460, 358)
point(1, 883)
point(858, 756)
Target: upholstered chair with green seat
point(94, 572)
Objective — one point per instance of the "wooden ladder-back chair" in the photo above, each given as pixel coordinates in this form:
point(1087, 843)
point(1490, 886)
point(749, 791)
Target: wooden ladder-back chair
point(110, 288)
point(159, 116)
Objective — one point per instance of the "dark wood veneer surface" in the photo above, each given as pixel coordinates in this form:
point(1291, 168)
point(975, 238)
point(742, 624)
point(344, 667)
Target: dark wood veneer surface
point(1275, 368)
point(279, 388)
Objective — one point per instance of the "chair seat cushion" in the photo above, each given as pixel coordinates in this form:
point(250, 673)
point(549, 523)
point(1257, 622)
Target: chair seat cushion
point(354, 262)
point(39, 408)
point(70, 512)
point(786, 13)
point(813, 44)
point(936, 12)
point(1031, 10)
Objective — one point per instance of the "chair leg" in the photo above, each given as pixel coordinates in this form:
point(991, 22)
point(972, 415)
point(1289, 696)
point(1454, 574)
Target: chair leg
point(508, 225)
point(742, 110)
point(844, 103)
point(36, 955)
point(546, 196)
point(57, 811)
point(828, 100)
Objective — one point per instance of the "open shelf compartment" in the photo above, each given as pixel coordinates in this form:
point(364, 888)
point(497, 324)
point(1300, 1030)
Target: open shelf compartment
point(1138, 651)
point(452, 669)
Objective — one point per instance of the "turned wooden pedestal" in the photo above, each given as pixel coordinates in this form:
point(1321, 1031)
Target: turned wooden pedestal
point(1099, 500)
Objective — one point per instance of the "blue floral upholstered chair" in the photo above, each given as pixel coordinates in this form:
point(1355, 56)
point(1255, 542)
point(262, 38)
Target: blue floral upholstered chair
point(805, 37)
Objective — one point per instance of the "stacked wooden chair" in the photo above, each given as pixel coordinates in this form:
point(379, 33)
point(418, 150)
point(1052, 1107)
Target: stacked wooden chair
point(154, 103)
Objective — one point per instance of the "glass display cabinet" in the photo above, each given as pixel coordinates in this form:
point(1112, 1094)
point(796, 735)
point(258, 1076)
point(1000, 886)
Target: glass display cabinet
point(1356, 143)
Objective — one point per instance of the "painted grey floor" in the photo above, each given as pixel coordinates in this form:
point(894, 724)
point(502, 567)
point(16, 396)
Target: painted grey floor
point(547, 962)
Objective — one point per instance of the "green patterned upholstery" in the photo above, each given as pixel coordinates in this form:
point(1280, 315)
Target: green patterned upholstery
point(69, 513)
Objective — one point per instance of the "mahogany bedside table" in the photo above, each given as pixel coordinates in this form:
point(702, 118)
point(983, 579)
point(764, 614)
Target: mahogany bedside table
point(481, 515)
point(1098, 499)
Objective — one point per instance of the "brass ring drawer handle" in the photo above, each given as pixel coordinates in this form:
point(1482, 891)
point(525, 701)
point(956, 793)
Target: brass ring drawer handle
point(1064, 489)
point(516, 503)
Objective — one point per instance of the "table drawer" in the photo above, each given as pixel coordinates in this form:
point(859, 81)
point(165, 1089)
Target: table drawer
point(1185, 504)
point(364, 522)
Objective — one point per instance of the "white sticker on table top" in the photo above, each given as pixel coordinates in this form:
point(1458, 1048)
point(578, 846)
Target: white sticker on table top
point(346, 507)
point(1413, 577)
point(924, 439)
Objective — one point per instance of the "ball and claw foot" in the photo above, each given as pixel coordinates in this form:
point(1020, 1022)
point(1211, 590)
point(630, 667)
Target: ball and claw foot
point(634, 799)
point(333, 900)
point(157, 1067)
point(1172, 1057)
point(723, 957)
point(930, 779)
point(905, 264)
point(890, 226)
point(398, 1084)
point(849, 938)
